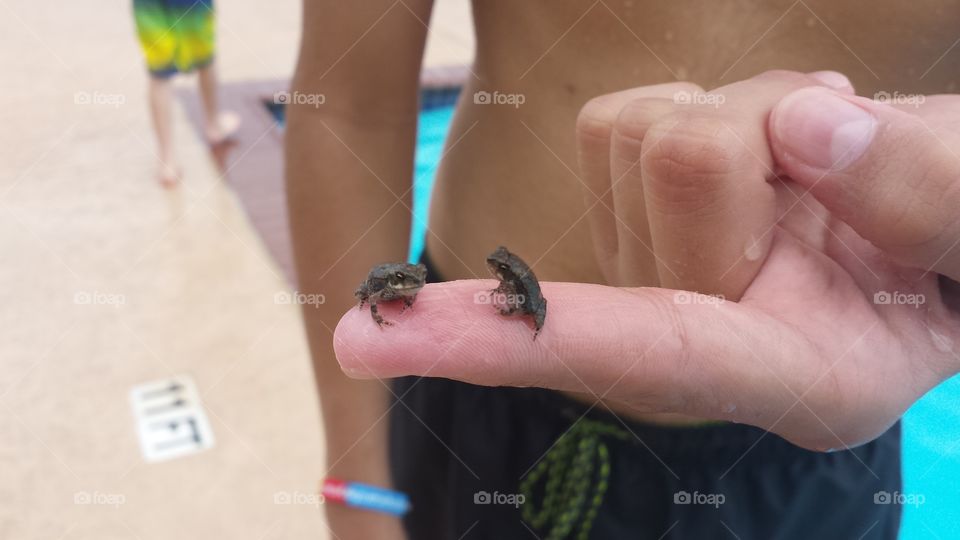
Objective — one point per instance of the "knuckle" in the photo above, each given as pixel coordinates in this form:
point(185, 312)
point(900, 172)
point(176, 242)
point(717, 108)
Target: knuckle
point(596, 118)
point(692, 154)
point(638, 115)
point(684, 86)
point(784, 75)
point(935, 188)
point(919, 200)
point(664, 384)
point(670, 90)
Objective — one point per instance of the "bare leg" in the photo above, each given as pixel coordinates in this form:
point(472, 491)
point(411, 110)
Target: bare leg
point(161, 100)
point(217, 126)
point(208, 94)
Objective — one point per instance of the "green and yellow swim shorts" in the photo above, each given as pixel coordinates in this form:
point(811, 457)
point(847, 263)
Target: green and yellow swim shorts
point(175, 35)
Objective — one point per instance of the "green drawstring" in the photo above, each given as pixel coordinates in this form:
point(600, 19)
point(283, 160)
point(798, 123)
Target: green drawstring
point(573, 480)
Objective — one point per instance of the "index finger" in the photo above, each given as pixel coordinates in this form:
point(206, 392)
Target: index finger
point(634, 345)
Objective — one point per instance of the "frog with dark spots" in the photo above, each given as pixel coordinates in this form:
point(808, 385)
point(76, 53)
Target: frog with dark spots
point(388, 282)
point(519, 290)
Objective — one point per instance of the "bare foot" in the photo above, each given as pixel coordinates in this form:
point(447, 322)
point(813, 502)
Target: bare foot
point(222, 137)
point(169, 175)
point(228, 122)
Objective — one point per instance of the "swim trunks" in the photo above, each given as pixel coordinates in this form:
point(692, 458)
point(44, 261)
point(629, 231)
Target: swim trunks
point(175, 35)
point(522, 463)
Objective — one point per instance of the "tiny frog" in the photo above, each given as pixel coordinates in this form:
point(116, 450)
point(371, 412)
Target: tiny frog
point(391, 281)
point(519, 290)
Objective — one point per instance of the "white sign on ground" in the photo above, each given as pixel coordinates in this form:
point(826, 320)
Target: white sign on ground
point(170, 419)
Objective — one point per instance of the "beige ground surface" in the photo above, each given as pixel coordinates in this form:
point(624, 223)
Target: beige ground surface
point(180, 283)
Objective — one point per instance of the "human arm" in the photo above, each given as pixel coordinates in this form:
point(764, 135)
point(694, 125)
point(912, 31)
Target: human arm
point(349, 164)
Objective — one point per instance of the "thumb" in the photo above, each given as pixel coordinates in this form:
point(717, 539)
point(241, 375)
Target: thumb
point(881, 170)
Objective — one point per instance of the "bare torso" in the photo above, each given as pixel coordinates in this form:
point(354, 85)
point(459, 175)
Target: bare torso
point(510, 174)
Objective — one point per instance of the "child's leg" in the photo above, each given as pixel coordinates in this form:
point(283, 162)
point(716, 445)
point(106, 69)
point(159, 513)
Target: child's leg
point(208, 94)
point(218, 126)
point(161, 101)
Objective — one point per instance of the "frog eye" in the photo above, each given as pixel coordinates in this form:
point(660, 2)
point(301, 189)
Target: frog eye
point(399, 275)
point(503, 267)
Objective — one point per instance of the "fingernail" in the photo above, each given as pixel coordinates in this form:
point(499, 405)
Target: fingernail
point(822, 129)
point(833, 79)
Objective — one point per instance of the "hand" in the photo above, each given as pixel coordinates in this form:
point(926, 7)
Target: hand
point(805, 343)
point(889, 170)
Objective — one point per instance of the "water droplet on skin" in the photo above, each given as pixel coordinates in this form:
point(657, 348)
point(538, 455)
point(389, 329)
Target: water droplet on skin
point(941, 342)
point(752, 251)
point(729, 408)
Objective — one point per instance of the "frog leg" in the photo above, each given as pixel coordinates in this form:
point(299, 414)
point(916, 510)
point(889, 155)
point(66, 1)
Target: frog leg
point(376, 315)
point(539, 317)
point(407, 302)
point(361, 294)
point(505, 288)
point(510, 309)
point(503, 291)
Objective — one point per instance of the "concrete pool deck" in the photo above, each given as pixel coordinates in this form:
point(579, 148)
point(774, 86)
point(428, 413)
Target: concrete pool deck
point(113, 282)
